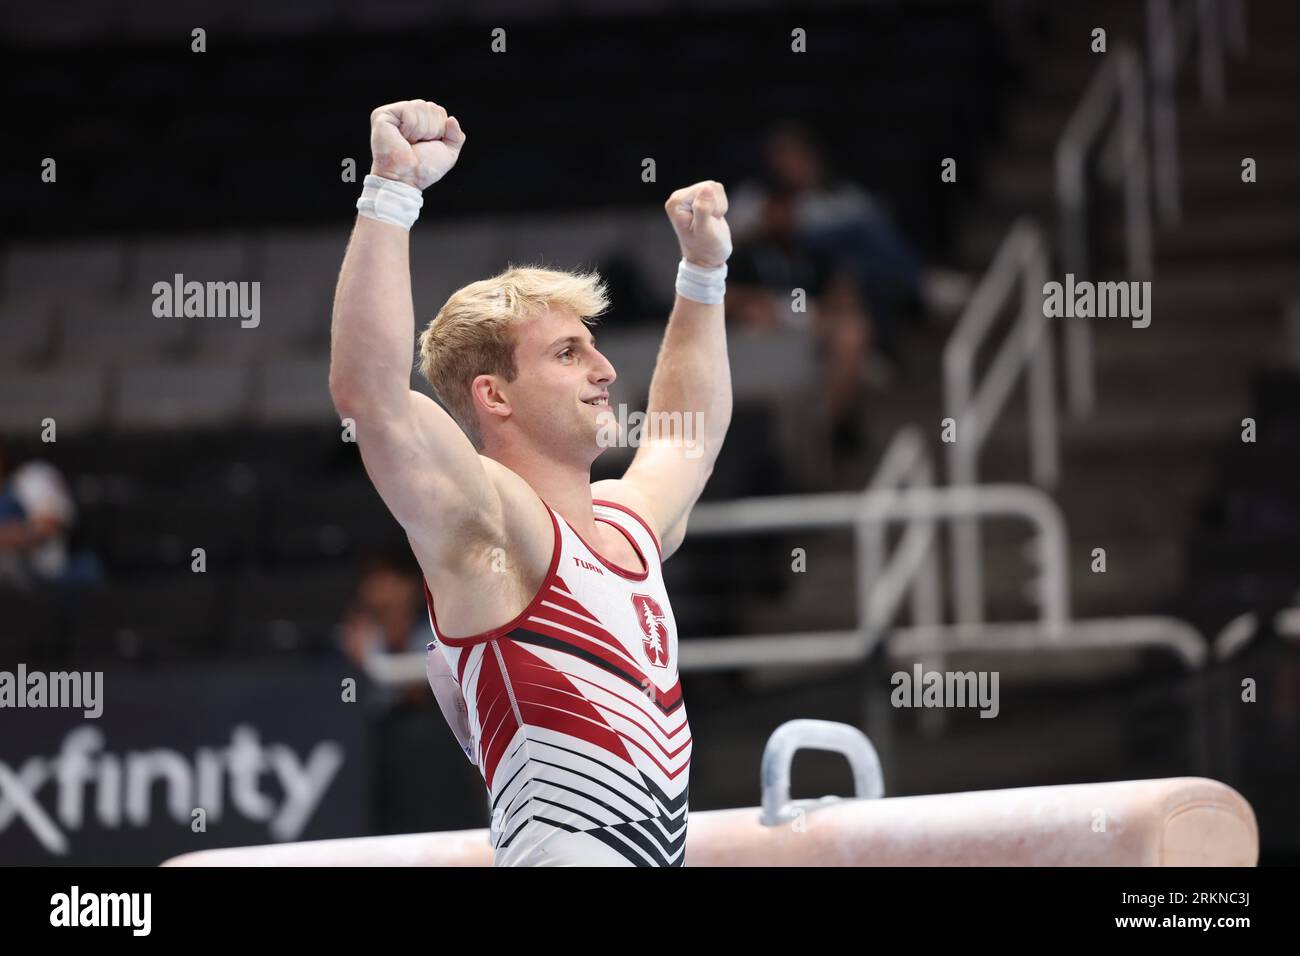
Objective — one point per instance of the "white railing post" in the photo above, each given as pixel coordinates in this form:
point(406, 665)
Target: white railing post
point(1119, 77)
point(905, 464)
point(1072, 197)
point(1170, 33)
point(1137, 193)
point(927, 593)
point(1043, 446)
point(1020, 260)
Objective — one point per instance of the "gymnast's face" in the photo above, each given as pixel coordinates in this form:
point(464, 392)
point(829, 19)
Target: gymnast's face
point(560, 396)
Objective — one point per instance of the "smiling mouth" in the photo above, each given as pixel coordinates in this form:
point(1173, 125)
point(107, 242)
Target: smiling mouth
point(597, 402)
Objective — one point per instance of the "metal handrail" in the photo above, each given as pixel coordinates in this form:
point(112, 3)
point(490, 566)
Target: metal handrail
point(1022, 260)
point(911, 505)
point(1169, 38)
point(1172, 634)
point(882, 583)
point(1118, 78)
point(905, 464)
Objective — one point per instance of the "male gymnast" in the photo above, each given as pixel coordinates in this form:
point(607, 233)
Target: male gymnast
point(555, 651)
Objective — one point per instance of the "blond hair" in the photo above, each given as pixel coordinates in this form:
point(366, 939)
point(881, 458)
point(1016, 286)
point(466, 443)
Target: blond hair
point(472, 334)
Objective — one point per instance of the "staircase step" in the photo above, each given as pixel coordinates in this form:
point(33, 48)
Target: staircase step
point(1176, 418)
point(1036, 128)
point(987, 221)
point(1027, 179)
point(1069, 73)
point(1139, 571)
point(1251, 232)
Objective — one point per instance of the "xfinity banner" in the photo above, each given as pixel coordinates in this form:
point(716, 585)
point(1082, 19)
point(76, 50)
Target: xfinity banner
point(132, 768)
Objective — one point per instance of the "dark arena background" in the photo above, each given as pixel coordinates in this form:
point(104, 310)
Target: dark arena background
point(1014, 331)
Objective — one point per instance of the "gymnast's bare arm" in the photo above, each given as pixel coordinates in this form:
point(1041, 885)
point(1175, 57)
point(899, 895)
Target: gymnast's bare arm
point(482, 551)
point(691, 386)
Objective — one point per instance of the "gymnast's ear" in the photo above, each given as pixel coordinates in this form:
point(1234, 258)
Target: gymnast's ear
point(487, 393)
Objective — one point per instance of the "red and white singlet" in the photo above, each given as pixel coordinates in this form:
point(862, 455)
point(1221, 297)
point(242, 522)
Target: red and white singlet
point(575, 713)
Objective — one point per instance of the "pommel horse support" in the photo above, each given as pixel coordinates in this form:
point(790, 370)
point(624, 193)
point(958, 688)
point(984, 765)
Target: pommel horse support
point(1178, 821)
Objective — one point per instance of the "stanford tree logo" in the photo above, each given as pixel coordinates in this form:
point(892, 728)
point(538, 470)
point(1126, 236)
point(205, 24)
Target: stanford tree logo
point(654, 629)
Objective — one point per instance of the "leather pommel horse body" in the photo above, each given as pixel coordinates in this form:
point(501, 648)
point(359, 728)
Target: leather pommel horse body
point(1179, 821)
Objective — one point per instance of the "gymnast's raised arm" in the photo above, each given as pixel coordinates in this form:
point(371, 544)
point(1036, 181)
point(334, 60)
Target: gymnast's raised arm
point(424, 467)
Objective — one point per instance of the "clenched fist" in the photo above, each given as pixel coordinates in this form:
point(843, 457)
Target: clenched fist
point(698, 214)
point(414, 142)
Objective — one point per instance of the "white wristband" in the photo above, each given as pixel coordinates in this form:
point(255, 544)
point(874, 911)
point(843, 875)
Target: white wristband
point(702, 284)
point(390, 201)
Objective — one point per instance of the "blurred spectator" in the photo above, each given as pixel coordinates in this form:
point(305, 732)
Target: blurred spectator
point(37, 514)
point(839, 219)
point(765, 269)
point(388, 616)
